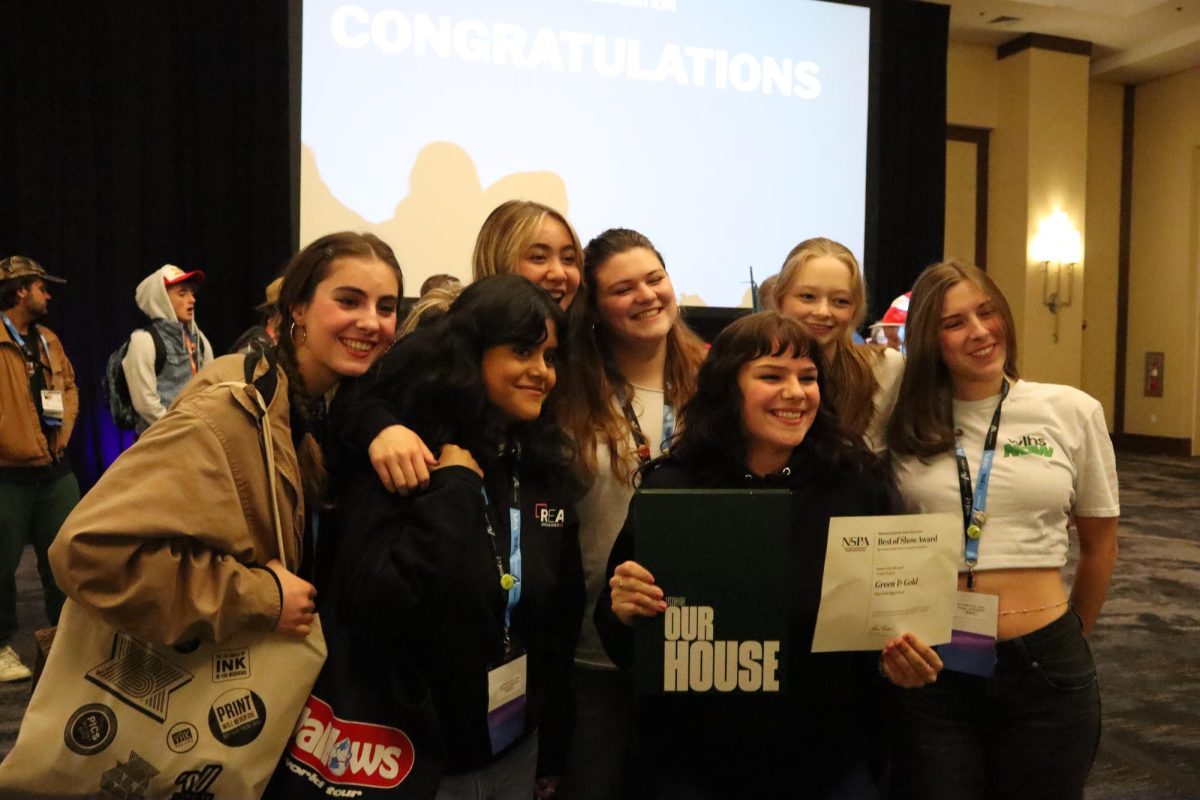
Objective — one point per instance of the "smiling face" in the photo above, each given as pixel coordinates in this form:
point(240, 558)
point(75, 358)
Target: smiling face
point(635, 300)
point(780, 399)
point(518, 378)
point(974, 341)
point(348, 324)
point(551, 261)
point(183, 300)
point(821, 297)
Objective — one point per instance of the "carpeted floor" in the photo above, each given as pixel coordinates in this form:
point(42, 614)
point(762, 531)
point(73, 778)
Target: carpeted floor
point(1147, 643)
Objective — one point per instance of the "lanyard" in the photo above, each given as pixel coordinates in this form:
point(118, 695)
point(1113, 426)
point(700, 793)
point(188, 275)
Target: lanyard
point(510, 581)
point(975, 503)
point(191, 351)
point(20, 340)
point(639, 438)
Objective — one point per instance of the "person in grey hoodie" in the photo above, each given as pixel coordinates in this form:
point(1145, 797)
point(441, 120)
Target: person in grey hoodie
point(168, 297)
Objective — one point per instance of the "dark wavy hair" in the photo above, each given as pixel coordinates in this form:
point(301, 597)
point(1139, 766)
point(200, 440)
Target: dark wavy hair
point(712, 438)
point(432, 380)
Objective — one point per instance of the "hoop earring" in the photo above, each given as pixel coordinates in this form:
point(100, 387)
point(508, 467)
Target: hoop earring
point(292, 334)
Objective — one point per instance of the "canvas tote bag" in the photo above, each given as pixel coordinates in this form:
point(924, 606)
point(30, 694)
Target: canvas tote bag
point(116, 717)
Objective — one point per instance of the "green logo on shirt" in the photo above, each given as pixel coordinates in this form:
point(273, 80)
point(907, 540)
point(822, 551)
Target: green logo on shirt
point(1028, 445)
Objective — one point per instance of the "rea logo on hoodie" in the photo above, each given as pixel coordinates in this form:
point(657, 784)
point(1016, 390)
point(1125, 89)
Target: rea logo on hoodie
point(350, 753)
point(549, 517)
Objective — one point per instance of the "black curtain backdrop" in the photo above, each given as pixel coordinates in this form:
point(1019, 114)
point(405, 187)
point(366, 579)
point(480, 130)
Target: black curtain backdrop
point(134, 134)
point(906, 172)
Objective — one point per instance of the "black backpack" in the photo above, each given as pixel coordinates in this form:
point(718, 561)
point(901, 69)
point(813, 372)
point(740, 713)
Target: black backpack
point(114, 388)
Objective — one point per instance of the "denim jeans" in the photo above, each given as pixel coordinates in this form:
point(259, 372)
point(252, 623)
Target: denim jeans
point(1027, 733)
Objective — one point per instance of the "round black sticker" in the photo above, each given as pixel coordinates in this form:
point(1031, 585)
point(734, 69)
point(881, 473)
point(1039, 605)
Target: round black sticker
point(237, 717)
point(90, 729)
point(182, 737)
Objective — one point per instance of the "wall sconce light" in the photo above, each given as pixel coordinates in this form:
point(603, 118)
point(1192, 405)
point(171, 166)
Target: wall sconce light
point(1058, 247)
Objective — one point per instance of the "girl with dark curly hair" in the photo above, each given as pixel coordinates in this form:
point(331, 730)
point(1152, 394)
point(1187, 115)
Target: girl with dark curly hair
point(757, 421)
point(479, 574)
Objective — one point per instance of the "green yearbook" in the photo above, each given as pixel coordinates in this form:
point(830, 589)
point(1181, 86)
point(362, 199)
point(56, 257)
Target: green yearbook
point(721, 558)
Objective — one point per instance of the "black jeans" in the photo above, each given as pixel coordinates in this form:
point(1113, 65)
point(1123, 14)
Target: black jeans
point(1028, 733)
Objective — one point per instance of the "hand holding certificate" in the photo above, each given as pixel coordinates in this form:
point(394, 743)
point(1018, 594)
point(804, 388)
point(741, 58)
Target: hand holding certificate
point(885, 576)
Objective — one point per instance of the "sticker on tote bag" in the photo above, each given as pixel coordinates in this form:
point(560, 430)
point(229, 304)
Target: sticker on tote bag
point(237, 717)
point(140, 677)
point(128, 780)
point(231, 665)
point(195, 783)
point(91, 729)
point(182, 737)
point(348, 753)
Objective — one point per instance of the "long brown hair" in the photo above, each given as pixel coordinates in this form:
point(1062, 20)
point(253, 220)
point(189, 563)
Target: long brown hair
point(922, 423)
point(303, 272)
point(584, 399)
point(851, 377)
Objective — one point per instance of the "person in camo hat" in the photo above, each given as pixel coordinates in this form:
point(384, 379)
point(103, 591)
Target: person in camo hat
point(40, 403)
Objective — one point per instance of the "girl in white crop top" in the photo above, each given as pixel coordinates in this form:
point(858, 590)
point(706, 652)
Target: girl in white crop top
point(1051, 463)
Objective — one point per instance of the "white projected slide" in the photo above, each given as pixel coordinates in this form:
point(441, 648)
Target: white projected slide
point(725, 130)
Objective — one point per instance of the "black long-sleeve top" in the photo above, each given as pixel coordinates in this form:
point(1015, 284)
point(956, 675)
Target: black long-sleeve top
point(744, 746)
point(416, 580)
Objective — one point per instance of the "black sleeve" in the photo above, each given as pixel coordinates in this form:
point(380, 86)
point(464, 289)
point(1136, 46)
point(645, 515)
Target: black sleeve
point(616, 636)
point(559, 636)
point(398, 556)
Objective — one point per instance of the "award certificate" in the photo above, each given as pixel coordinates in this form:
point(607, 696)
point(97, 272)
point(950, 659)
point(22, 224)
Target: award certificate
point(888, 575)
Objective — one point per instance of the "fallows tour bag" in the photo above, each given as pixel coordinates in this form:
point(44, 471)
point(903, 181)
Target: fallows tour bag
point(367, 731)
point(116, 717)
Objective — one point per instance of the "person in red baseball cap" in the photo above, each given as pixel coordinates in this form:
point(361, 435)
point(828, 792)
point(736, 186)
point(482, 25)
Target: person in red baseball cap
point(164, 355)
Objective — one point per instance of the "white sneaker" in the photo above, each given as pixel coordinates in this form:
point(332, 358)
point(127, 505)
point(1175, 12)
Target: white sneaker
point(11, 668)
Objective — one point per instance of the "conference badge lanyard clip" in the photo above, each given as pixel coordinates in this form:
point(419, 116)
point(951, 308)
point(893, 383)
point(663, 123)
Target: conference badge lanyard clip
point(639, 438)
point(507, 679)
point(972, 647)
point(51, 399)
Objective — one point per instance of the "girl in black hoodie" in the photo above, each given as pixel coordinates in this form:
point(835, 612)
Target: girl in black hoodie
point(758, 420)
point(475, 580)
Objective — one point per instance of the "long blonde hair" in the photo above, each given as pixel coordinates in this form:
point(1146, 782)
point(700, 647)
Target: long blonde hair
point(851, 379)
point(507, 231)
point(583, 400)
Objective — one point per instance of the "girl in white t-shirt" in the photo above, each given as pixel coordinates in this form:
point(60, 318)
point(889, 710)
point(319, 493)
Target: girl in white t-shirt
point(821, 285)
point(1021, 719)
point(633, 364)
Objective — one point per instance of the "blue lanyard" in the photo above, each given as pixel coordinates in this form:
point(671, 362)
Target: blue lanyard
point(639, 438)
point(20, 340)
point(510, 581)
point(975, 502)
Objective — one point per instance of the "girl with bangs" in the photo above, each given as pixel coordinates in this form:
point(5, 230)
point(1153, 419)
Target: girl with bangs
point(757, 420)
point(821, 285)
point(478, 575)
point(633, 364)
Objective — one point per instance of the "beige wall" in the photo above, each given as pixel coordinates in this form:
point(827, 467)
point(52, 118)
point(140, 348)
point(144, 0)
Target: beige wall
point(971, 85)
point(1010, 97)
point(959, 236)
point(1163, 259)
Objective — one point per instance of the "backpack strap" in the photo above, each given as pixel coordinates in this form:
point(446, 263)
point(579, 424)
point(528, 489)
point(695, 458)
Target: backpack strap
point(160, 349)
